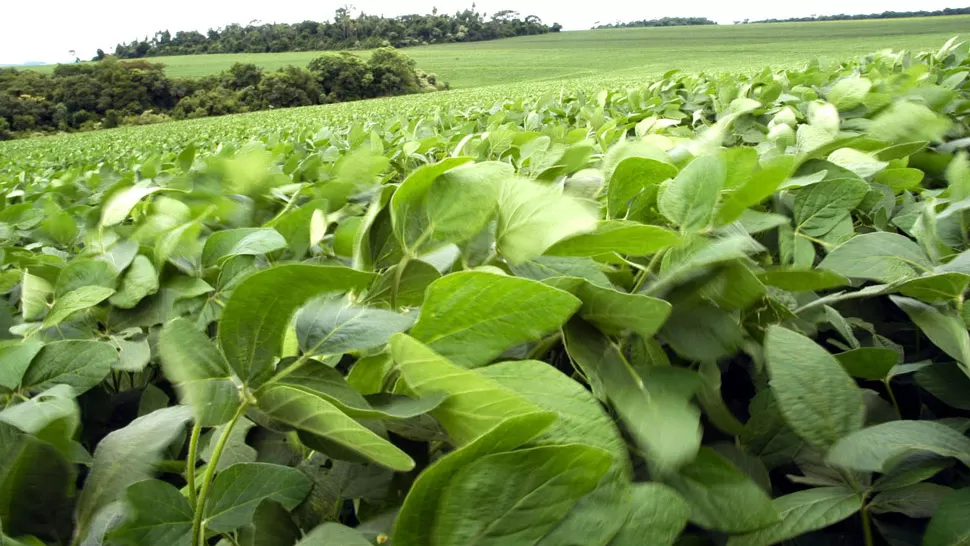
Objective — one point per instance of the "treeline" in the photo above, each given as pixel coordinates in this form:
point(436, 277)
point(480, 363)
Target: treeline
point(663, 22)
point(111, 93)
point(883, 15)
point(344, 32)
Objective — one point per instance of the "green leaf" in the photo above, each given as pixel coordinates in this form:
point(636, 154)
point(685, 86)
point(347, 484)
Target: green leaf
point(238, 490)
point(127, 456)
point(879, 256)
point(52, 416)
point(199, 371)
point(332, 534)
point(549, 267)
point(908, 121)
point(622, 236)
point(471, 317)
point(950, 526)
point(899, 180)
point(307, 410)
point(848, 93)
point(160, 516)
point(631, 178)
point(139, 281)
point(240, 242)
point(475, 404)
point(936, 288)
point(448, 202)
point(258, 312)
point(33, 296)
point(817, 397)
point(657, 412)
point(531, 490)
point(581, 417)
point(803, 512)
point(920, 500)
point(657, 516)
point(820, 207)
point(721, 498)
point(875, 449)
point(16, 357)
point(415, 279)
point(119, 204)
point(947, 332)
point(415, 523)
point(760, 186)
point(690, 199)
point(328, 326)
point(235, 450)
point(872, 363)
point(947, 381)
point(614, 312)
point(77, 300)
point(533, 217)
point(84, 272)
point(80, 364)
point(802, 280)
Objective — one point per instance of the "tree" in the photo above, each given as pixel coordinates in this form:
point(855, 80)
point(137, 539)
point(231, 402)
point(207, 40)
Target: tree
point(342, 77)
point(393, 72)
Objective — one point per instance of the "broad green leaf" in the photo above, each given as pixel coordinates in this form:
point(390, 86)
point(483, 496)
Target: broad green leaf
point(614, 312)
point(238, 490)
point(550, 267)
point(899, 180)
point(621, 236)
point(235, 450)
point(16, 357)
point(52, 416)
point(34, 293)
point(657, 516)
point(707, 254)
point(702, 332)
point(820, 207)
point(242, 241)
point(919, 500)
point(581, 417)
point(84, 272)
point(761, 185)
point(658, 412)
point(947, 332)
point(936, 288)
point(472, 317)
point(803, 512)
point(947, 381)
point(950, 526)
point(721, 498)
point(199, 371)
point(802, 280)
point(475, 405)
point(77, 300)
point(307, 410)
point(872, 363)
point(879, 256)
point(415, 522)
point(332, 534)
point(446, 203)
point(258, 312)
point(80, 364)
point(139, 281)
point(630, 178)
point(329, 326)
point(689, 199)
point(533, 217)
point(907, 121)
point(415, 279)
point(127, 456)
point(875, 449)
point(848, 93)
point(532, 489)
point(160, 516)
point(117, 207)
point(817, 397)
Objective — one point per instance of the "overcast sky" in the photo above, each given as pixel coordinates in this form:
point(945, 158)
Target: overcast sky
point(35, 30)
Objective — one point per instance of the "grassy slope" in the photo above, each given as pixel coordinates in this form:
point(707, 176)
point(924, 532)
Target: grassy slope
point(634, 51)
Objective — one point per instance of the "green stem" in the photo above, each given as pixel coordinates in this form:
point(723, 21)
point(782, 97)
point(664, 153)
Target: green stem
point(642, 276)
point(866, 526)
point(398, 274)
point(198, 532)
point(892, 397)
point(543, 346)
point(190, 464)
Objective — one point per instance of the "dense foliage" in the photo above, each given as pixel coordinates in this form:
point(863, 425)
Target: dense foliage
point(344, 32)
point(112, 93)
point(861, 16)
point(662, 22)
point(702, 310)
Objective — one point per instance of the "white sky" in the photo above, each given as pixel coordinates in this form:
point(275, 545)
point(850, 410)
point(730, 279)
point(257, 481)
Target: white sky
point(37, 30)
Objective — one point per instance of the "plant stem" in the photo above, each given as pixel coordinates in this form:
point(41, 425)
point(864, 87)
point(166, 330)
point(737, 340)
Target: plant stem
point(642, 276)
point(866, 526)
point(198, 533)
point(892, 397)
point(190, 464)
point(543, 346)
point(398, 274)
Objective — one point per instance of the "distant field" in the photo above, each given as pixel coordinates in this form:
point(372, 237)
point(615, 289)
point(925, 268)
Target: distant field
point(633, 51)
